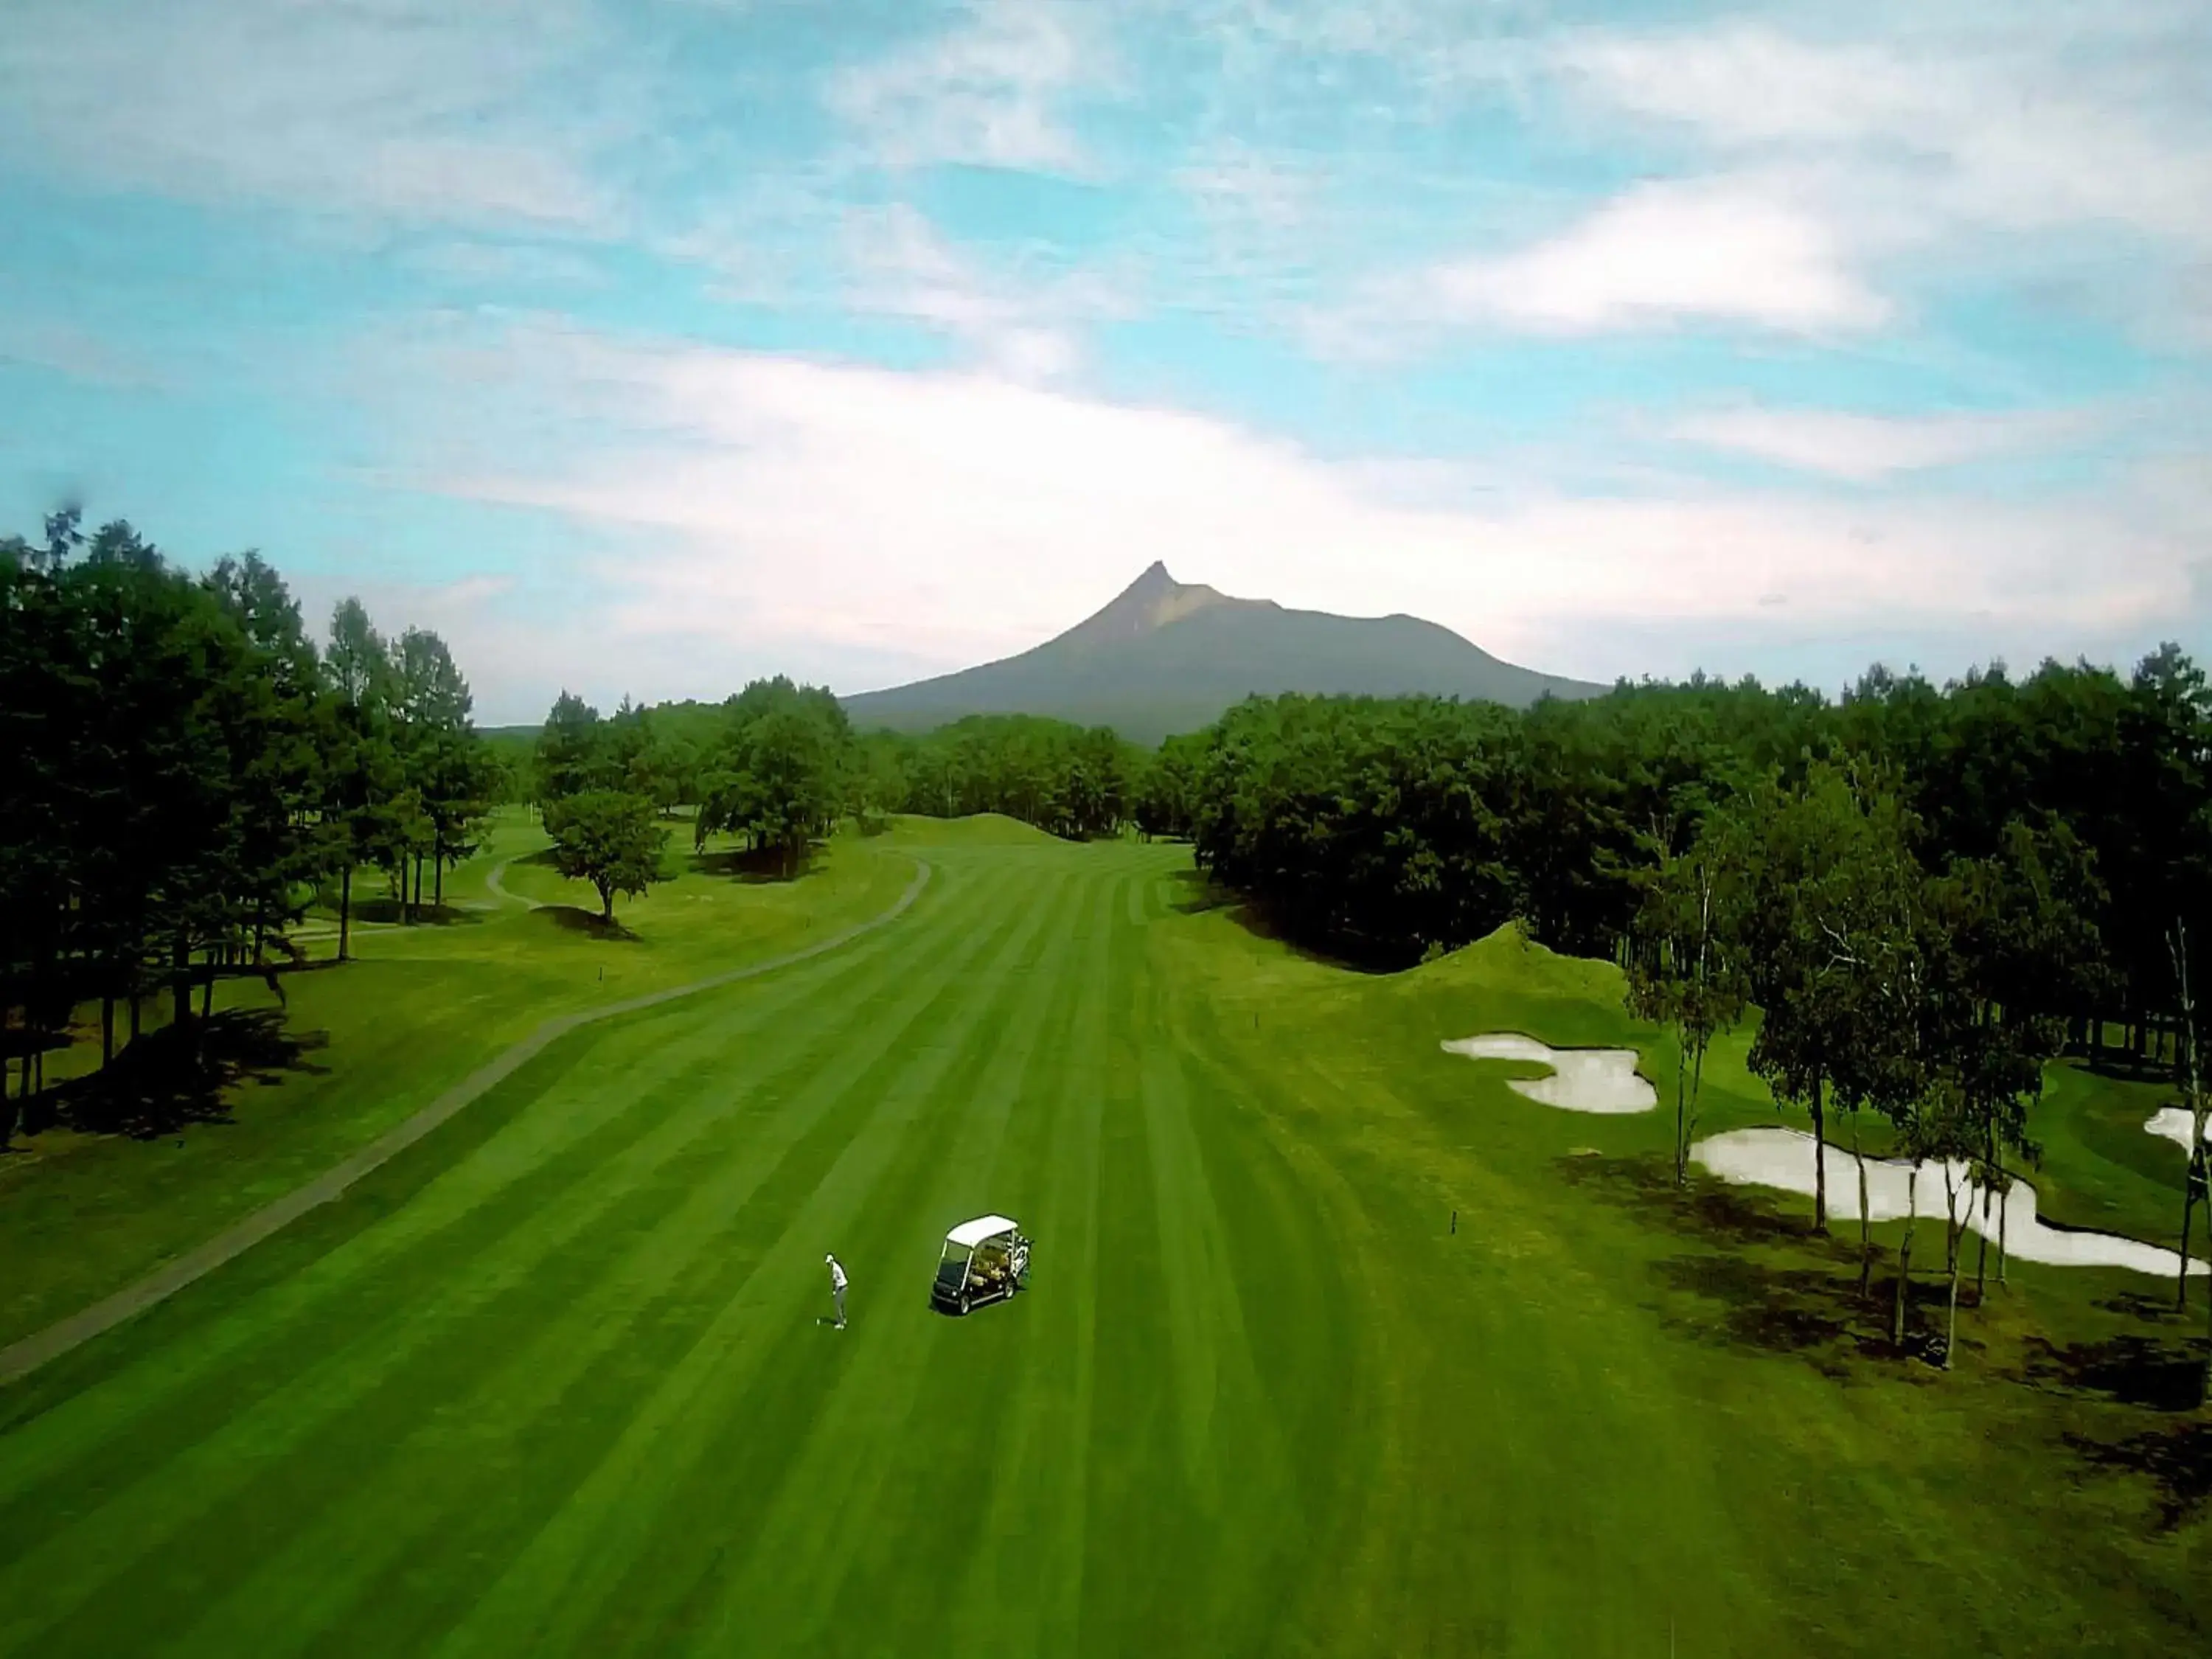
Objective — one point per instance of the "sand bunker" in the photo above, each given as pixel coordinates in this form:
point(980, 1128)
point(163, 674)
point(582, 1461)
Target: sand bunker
point(2172, 1123)
point(1783, 1159)
point(1583, 1080)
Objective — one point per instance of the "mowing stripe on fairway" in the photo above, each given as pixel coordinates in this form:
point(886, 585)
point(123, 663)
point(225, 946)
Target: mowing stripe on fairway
point(546, 1169)
point(682, 1238)
point(835, 1481)
point(1028, 1452)
point(561, 1197)
point(553, 1380)
point(454, 1194)
point(321, 1419)
point(21, 1357)
point(315, 1416)
point(608, 1519)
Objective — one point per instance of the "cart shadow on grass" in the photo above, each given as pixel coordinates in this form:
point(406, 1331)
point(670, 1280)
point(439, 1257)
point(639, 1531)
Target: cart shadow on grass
point(943, 1312)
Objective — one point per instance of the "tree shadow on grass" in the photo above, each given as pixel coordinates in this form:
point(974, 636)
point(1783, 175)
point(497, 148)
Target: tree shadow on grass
point(1770, 1284)
point(1700, 1207)
point(1814, 1314)
point(2124, 1067)
point(1200, 894)
point(169, 1078)
point(2176, 1459)
point(569, 919)
point(390, 913)
point(1810, 1313)
point(751, 866)
point(2160, 1369)
point(2131, 1369)
point(1195, 893)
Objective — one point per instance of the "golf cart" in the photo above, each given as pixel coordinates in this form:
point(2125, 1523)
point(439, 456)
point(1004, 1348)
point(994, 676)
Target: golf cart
point(983, 1261)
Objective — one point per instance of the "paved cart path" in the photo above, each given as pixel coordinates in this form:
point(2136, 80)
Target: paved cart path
point(494, 882)
point(21, 1357)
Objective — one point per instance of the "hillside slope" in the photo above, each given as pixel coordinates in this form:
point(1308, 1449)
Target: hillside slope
point(1168, 656)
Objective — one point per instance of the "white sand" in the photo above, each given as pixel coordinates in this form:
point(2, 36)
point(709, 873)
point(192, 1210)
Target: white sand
point(1783, 1159)
point(2172, 1123)
point(1582, 1080)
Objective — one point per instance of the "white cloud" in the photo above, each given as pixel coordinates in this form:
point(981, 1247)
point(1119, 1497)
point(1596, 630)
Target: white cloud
point(1744, 84)
point(1867, 448)
point(844, 512)
point(1668, 253)
point(902, 267)
point(985, 92)
point(394, 110)
point(2011, 128)
point(1900, 150)
point(1660, 255)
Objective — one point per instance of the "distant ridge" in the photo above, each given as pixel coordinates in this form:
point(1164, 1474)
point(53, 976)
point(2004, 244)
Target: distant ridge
point(1168, 656)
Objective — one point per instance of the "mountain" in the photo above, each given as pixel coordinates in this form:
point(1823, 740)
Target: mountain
point(1167, 656)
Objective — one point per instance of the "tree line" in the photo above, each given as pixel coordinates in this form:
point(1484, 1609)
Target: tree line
point(1896, 979)
point(772, 766)
point(1079, 783)
point(186, 773)
point(1927, 892)
point(777, 766)
point(1384, 829)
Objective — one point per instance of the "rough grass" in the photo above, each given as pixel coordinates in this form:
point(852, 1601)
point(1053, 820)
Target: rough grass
point(83, 1215)
point(556, 1381)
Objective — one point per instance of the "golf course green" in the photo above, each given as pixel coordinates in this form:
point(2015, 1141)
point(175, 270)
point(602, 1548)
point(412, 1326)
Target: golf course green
point(1333, 1343)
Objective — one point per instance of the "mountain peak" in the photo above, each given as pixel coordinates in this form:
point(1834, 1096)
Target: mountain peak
point(1168, 656)
point(1152, 589)
point(1153, 600)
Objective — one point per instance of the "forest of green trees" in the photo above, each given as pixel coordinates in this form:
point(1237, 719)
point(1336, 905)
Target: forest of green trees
point(1073, 781)
point(1926, 891)
point(186, 773)
point(778, 766)
point(1384, 829)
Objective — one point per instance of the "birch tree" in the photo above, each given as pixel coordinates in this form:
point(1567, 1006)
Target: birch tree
point(1687, 968)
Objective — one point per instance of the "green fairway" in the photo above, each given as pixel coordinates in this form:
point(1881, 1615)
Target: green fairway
point(421, 1008)
point(558, 1379)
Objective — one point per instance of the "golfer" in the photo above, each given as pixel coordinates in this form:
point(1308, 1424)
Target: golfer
point(837, 1286)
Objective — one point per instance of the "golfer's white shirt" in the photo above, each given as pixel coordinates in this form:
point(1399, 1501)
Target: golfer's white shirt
point(836, 1276)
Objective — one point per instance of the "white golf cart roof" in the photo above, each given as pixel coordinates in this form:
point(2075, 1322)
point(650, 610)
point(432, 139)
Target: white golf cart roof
point(969, 1234)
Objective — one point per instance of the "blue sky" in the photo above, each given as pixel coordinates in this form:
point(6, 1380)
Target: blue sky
point(645, 346)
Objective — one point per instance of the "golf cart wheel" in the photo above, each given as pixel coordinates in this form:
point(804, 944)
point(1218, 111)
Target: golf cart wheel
point(964, 1302)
